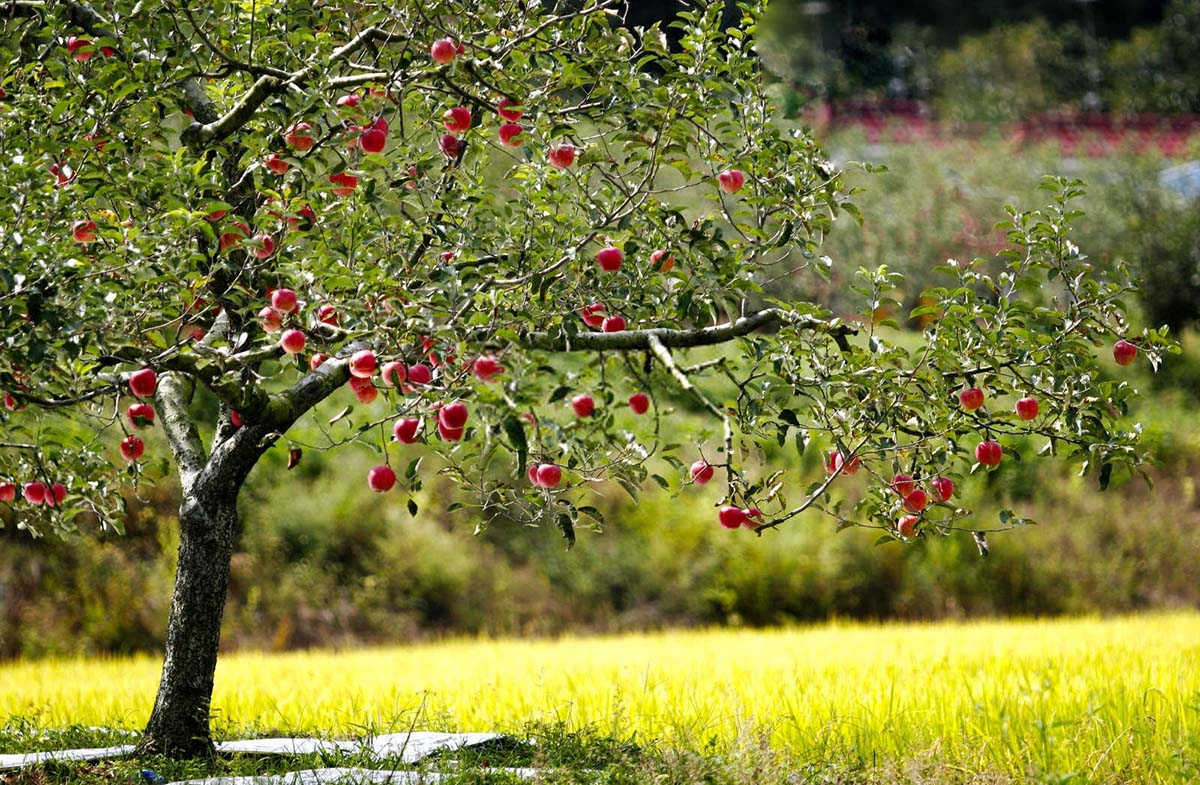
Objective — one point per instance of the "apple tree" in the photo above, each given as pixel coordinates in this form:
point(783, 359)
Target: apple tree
point(492, 232)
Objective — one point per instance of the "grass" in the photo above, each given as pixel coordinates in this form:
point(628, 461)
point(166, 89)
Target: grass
point(1082, 700)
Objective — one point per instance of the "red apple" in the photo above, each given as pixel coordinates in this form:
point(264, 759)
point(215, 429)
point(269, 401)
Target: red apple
point(583, 404)
point(511, 135)
point(132, 448)
point(316, 360)
point(140, 415)
point(835, 460)
point(292, 341)
point(84, 231)
point(443, 50)
point(610, 258)
point(373, 140)
point(271, 320)
point(1124, 352)
point(283, 300)
point(732, 517)
point(989, 453)
point(453, 415)
point(450, 145)
point(731, 180)
point(362, 364)
point(366, 394)
point(143, 383)
point(299, 136)
point(561, 156)
point(229, 240)
point(235, 419)
point(34, 492)
point(326, 314)
point(343, 183)
point(449, 434)
point(668, 263)
point(276, 164)
point(548, 475)
point(349, 101)
point(406, 430)
point(420, 374)
point(8, 492)
point(753, 518)
point(639, 402)
point(701, 471)
point(56, 495)
point(592, 315)
point(10, 402)
point(381, 479)
point(613, 324)
point(916, 501)
point(1027, 408)
point(907, 525)
point(903, 484)
point(486, 367)
point(74, 45)
point(943, 489)
point(457, 119)
point(509, 109)
point(394, 373)
point(264, 245)
point(971, 398)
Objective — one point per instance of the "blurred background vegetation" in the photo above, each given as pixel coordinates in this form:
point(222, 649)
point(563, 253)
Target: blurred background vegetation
point(967, 106)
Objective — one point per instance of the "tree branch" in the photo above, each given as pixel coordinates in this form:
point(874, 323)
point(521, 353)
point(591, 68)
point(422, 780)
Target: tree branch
point(174, 394)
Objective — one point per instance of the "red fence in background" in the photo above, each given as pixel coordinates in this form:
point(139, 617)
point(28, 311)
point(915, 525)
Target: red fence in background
point(1093, 134)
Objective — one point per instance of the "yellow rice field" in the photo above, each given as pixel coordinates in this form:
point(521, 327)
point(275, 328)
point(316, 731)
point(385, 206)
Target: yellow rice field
point(1024, 697)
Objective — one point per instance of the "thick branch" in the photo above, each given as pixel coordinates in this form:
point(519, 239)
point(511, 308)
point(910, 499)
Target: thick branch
point(174, 394)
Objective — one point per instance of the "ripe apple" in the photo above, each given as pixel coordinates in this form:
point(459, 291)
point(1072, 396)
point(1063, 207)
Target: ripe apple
point(343, 183)
point(316, 360)
point(373, 140)
point(668, 263)
point(903, 484)
point(753, 518)
point(276, 164)
point(639, 402)
point(592, 315)
point(835, 460)
point(326, 314)
point(132, 448)
point(511, 135)
point(907, 525)
point(916, 501)
point(1124, 352)
point(264, 245)
point(283, 300)
point(8, 492)
point(229, 241)
point(549, 475)
point(701, 471)
point(989, 453)
point(56, 494)
point(613, 324)
point(486, 367)
point(1027, 408)
point(583, 404)
point(971, 398)
point(235, 418)
point(420, 374)
point(34, 492)
point(457, 119)
point(349, 101)
point(140, 415)
point(943, 488)
point(406, 430)
point(292, 341)
point(561, 156)
point(270, 319)
point(366, 393)
point(509, 109)
point(394, 373)
point(731, 180)
point(732, 517)
point(143, 383)
point(75, 44)
point(362, 364)
point(450, 145)
point(84, 231)
point(299, 136)
point(449, 434)
point(610, 258)
point(443, 50)
point(381, 479)
point(453, 415)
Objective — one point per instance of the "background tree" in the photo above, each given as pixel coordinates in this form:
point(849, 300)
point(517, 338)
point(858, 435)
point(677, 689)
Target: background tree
point(469, 213)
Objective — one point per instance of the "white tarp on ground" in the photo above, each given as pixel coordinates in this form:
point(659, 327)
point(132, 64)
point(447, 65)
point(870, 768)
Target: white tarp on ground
point(408, 747)
point(343, 776)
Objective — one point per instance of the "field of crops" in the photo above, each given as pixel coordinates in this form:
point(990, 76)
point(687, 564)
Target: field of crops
point(1094, 698)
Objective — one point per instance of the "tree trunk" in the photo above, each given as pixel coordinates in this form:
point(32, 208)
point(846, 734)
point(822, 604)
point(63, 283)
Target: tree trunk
point(179, 723)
